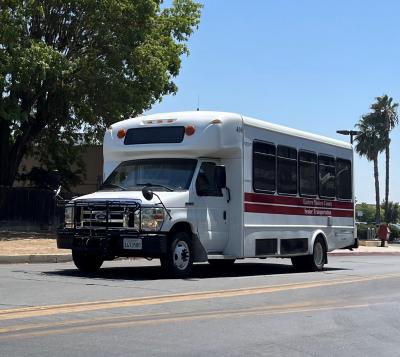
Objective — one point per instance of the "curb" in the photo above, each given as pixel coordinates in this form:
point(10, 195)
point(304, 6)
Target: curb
point(344, 254)
point(38, 258)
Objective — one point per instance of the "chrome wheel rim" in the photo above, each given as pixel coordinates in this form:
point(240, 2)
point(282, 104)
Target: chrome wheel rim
point(181, 255)
point(318, 254)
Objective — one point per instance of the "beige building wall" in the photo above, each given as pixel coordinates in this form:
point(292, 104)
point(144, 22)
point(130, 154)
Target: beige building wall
point(93, 158)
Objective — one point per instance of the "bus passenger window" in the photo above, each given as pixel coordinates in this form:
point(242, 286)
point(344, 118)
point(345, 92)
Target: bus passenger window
point(205, 183)
point(264, 167)
point(343, 179)
point(287, 170)
point(326, 168)
point(308, 173)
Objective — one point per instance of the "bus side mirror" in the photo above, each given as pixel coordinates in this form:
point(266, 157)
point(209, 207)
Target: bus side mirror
point(147, 193)
point(220, 176)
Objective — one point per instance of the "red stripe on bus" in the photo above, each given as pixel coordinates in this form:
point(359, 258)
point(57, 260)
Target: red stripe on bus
point(296, 211)
point(296, 201)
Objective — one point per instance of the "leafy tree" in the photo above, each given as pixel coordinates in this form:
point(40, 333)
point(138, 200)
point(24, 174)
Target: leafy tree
point(368, 212)
point(68, 66)
point(385, 111)
point(58, 151)
point(370, 143)
point(392, 212)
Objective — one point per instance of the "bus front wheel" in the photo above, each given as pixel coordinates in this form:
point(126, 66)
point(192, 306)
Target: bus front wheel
point(86, 263)
point(179, 259)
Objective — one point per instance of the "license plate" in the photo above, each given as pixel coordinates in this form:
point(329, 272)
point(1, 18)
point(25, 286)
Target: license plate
point(132, 243)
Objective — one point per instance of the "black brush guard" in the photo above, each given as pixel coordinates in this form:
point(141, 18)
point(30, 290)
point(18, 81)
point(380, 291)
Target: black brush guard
point(99, 234)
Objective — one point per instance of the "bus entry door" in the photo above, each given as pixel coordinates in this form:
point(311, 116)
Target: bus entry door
point(212, 209)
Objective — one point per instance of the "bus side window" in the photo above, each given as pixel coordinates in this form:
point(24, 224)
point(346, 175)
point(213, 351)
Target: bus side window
point(264, 167)
point(205, 182)
point(343, 179)
point(287, 170)
point(326, 169)
point(308, 173)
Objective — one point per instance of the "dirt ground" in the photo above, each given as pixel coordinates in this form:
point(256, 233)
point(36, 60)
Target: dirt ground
point(33, 246)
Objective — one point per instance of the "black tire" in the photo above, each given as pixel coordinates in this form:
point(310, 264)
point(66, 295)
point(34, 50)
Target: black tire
point(314, 261)
point(179, 259)
point(86, 263)
point(221, 263)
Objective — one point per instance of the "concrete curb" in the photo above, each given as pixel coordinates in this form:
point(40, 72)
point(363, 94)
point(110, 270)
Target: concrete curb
point(37, 258)
point(343, 254)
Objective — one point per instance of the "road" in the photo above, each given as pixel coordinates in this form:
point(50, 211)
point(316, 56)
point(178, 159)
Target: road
point(255, 308)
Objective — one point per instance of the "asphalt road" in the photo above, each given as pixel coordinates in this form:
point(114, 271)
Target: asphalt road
point(255, 308)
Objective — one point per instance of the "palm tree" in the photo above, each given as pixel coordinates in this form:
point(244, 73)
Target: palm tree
point(386, 113)
point(370, 143)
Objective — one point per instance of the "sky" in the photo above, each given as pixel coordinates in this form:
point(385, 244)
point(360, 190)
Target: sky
point(308, 64)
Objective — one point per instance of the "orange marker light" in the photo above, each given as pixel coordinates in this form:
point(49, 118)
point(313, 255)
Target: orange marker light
point(189, 130)
point(121, 133)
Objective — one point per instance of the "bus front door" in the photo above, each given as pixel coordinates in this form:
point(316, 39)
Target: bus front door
point(211, 208)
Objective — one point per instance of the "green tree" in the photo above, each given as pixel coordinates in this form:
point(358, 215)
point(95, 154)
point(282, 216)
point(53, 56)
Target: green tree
point(370, 143)
point(68, 66)
point(385, 111)
point(392, 212)
point(368, 212)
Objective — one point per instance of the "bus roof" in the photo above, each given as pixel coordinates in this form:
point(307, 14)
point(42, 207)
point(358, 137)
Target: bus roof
point(204, 117)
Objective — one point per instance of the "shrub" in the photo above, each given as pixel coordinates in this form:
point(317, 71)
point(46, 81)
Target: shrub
point(394, 232)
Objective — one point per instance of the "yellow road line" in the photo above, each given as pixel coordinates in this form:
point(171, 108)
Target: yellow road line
point(66, 327)
point(36, 311)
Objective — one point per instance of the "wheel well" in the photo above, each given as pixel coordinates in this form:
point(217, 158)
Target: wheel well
point(323, 238)
point(180, 227)
point(200, 255)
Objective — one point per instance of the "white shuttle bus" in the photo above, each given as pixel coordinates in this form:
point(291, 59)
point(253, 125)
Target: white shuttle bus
point(210, 186)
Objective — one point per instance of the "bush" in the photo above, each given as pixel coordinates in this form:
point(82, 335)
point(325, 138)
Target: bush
point(362, 231)
point(394, 232)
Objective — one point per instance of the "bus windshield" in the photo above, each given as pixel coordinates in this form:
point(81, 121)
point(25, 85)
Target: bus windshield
point(159, 174)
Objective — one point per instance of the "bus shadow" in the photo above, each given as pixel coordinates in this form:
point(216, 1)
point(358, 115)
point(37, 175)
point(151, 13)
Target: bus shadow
point(200, 271)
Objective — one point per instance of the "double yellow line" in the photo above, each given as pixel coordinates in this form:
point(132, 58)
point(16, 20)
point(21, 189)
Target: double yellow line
point(39, 311)
point(122, 321)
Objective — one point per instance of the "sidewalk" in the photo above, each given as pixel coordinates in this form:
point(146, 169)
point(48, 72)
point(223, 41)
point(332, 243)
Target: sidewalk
point(42, 248)
point(21, 247)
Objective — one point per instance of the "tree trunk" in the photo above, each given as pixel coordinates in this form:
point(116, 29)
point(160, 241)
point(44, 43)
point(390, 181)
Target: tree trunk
point(377, 197)
point(4, 152)
point(12, 154)
point(387, 182)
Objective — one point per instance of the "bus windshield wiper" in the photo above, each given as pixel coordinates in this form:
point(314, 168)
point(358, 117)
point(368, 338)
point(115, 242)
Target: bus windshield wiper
point(148, 184)
point(112, 185)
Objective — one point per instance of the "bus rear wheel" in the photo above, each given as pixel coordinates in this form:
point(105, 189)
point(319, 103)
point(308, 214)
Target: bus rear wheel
point(314, 261)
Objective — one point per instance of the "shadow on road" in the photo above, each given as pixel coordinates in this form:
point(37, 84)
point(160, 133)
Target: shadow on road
point(200, 271)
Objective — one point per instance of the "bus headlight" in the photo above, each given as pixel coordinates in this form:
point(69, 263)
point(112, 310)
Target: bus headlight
point(152, 219)
point(69, 217)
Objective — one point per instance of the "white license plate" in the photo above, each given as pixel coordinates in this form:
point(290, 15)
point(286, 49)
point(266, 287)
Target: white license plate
point(132, 243)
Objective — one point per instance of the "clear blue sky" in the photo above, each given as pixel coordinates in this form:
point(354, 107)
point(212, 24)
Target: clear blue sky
point(312, 65)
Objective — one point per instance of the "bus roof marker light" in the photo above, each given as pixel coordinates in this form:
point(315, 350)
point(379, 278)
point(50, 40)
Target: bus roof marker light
point(121, 133)
point(216, 121)
point(189, 130)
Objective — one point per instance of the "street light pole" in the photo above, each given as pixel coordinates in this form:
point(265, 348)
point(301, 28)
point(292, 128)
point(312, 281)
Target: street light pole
point(351, 133)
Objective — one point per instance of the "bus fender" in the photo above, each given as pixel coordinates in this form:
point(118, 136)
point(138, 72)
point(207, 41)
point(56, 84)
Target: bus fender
point(200, 254)
point(320, 233)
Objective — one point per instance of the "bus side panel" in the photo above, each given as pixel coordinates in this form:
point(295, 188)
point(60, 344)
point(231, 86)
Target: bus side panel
point(270, 218)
